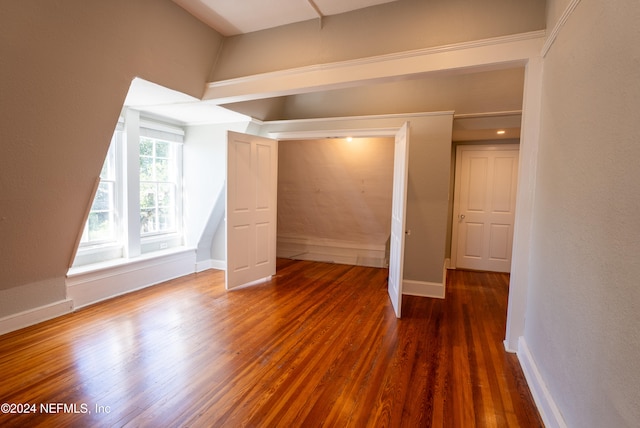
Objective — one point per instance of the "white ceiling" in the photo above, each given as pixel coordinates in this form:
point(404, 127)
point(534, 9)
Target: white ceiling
point(237, 17)
point(169, 104)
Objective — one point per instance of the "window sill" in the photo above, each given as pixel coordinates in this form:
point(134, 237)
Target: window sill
point(119, 262)
point(93, 283)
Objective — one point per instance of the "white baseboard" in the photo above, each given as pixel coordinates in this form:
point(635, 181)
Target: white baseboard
point(203, 265)
point(219, 264)
point(423, 289)
point(35, 316)
point(427, 289)
point(211, 264)
point(91, 286)
point(547, 407)
point(328, 250)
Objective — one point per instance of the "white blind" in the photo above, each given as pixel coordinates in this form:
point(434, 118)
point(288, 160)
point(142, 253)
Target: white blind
point(161, 131)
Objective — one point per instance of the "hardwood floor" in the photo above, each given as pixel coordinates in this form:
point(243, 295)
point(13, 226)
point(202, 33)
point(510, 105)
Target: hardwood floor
point(318, 345)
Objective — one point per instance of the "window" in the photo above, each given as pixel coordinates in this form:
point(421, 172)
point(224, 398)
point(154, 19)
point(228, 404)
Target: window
point(143, 168)
point(101, 226)
point(158, 186)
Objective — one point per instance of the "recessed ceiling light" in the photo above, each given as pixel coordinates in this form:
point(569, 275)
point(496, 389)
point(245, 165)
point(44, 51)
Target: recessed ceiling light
point(349, 139)
point(501, 132)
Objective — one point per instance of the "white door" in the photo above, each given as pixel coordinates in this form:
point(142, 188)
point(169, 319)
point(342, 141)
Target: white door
point(484, 207)
point(252, 180)
point(399, 200)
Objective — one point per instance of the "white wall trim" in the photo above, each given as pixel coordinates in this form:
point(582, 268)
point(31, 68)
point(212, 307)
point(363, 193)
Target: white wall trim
point(523, 225)
point(558, 27)
point(362, 117)
point(423, 289)
point(204, 265)
point(547, 407)
point(331, 251)
point(219, 264)
point(427, 289)
point(91, 286)
point(492, 53)
point(364, 131)
point(34, 316)
point(211, 264)
point(332, 133)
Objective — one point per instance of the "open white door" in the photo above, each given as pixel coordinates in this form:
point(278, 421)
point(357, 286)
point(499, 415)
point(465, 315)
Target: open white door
point(399, 200)
point(252, 180)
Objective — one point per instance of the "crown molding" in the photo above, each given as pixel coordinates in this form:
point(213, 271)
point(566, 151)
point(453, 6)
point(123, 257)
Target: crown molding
point(558, 27)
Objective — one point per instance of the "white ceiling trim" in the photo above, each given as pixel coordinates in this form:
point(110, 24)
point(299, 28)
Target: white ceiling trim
point(352, 118)
point(493, 53)
point(487, 114)
point(333, 133)
point(363, 131)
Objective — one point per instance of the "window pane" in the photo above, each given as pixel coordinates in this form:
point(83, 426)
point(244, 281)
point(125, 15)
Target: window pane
point(166, 195)
point(104, 174)
point(109, 167)
point(146, 168)
point(162, 170)
point(147, 195)
point(103, 200)
point(148, 220)
point(163, 149)
point(146, 147)
point(166, 219)
point(100, 226)
point(158, 186)
point(101, 223)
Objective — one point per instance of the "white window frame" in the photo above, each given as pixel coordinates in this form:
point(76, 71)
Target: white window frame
point(112, 157)
point(165, 132)
point(130, 242)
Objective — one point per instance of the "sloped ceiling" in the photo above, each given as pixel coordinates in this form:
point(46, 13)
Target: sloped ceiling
point(484, 102)
point(231, 18)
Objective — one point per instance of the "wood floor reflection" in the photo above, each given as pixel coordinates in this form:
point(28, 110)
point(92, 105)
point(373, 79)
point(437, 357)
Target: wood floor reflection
point(318, 345)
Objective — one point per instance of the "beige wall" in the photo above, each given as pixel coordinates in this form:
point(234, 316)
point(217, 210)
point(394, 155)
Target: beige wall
point(336, 189)
point(393, 27)
point(428, 187)
point(582, 313)
point(66, 68)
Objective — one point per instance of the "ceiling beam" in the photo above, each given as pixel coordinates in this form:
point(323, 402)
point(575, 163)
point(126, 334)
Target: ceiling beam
point(317, 10)
point(481, 55)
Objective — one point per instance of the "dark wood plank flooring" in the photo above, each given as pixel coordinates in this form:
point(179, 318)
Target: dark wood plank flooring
point(318, 345)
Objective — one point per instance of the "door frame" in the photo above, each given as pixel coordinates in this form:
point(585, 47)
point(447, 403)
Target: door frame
point(456, 193)
point(389, 132)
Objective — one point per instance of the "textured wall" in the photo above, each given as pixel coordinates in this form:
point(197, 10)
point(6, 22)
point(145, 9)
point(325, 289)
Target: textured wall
point(582, 317)
point(336, 189)
point(66, 68)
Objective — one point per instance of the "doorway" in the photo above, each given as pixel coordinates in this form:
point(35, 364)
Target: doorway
point(334, 199)
point(251, 189)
